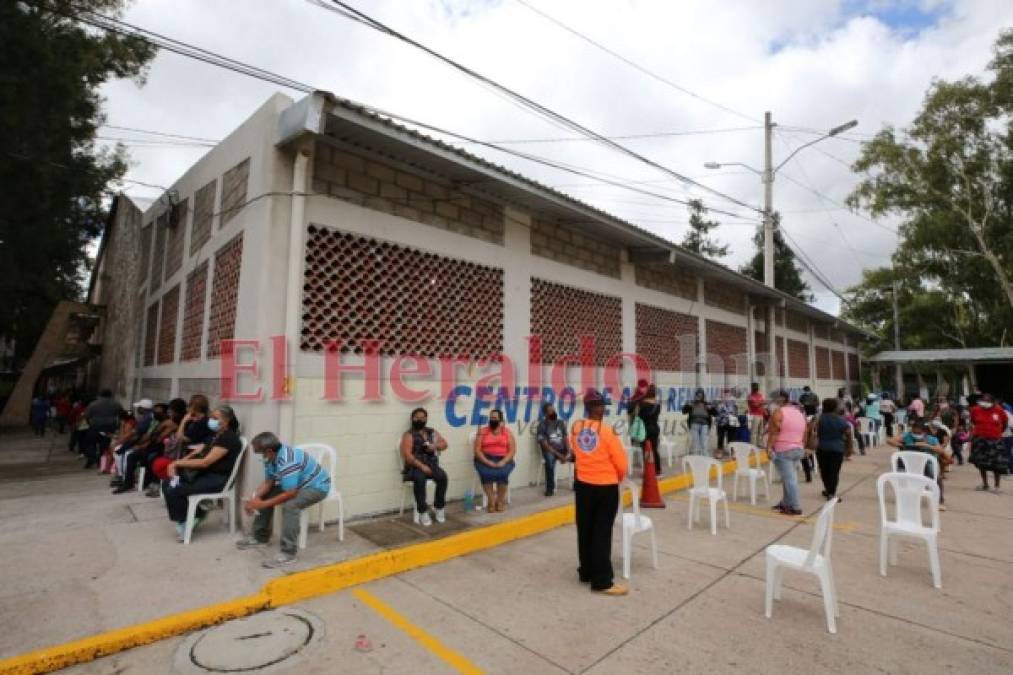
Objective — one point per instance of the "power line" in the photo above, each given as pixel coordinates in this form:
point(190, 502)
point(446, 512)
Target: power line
point(658, 134)
point(161, 133)
point(347, 11)
point(634, 64)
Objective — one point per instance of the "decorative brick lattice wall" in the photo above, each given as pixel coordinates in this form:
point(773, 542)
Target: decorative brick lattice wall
point(157, 255)
point(566, 245)
point(668, 279)
point(193, 312)
point(151, 335)
point(853, 366)
point(728, 342)
point(798, 359)
point(382, 187)
point(561, 315)
point(203, 216)
point(837, 363)
point(717, 294)
point(167, 326)
point(234, 186)
point(798, 322)
point(658, 338)
point(174, 239)
point(147, 235)
point(412, 301)
point(822, 363)
point(760, 347)
point(224, 295)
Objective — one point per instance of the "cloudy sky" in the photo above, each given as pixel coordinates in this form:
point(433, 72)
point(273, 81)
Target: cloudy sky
point(813, 63)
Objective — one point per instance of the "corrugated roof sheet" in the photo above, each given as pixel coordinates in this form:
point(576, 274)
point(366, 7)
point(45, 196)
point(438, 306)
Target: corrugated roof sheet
point(972, 355)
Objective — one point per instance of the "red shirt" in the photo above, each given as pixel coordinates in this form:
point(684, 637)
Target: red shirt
point(495, 444)
point(755, 403)
point(988, 423)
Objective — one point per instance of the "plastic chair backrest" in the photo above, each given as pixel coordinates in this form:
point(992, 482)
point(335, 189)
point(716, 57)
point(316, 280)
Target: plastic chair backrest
point(325, 455)
point(823, 534)
point(909, 490)
point(741, 452)
point(900, 416)
point(864, 425)
point(701, 469)
point(231, 482)
point(914, 462)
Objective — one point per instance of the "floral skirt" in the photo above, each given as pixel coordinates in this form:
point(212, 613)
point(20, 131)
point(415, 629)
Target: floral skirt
point(989, 455)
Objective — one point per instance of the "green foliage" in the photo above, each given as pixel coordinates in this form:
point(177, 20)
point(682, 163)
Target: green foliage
point(698, 238)
point(949, 177)
point(54, 178)
point(787, 275)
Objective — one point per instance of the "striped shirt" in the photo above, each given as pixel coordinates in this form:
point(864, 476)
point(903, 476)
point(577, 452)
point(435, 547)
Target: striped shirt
point(293, 469)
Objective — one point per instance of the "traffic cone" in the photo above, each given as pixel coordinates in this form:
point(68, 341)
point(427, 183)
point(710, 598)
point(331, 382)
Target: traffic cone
point(650, 496)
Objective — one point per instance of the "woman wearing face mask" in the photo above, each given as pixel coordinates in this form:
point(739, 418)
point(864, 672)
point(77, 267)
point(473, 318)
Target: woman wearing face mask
point(204, 470)
point(988, 422)
point(194, 427)
point(728, 420)
point(494, 460)
point(700, 413)
point(420, 449)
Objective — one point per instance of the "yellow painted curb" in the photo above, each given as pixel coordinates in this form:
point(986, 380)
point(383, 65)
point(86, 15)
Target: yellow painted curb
point(305, 585)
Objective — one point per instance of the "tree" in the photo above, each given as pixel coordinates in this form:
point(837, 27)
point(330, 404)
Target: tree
point(54, 178)
point(787, 275)
point(697, 239)
point(949, 177)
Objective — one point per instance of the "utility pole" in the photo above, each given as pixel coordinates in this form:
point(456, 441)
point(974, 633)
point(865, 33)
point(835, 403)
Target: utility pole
point(898, 369)
point(768, 241)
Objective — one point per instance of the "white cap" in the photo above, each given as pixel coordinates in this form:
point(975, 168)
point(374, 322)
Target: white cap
point(144, 403)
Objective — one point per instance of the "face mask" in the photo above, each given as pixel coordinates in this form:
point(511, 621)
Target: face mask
point(918, 437)
point(493, 424)
point(159, 416)
point(418, 424)
point(214, 425)
point(985, 404)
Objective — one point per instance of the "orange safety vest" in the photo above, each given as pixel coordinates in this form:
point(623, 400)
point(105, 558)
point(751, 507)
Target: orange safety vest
point(600, 456)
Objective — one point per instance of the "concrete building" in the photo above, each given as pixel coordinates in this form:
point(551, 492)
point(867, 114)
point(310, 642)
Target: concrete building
point(317, 220)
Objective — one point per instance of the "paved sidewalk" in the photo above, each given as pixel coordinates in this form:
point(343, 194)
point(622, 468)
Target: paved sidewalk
point(519, 607)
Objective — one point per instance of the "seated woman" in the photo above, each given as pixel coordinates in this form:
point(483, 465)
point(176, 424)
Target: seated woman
point(204, 470)
point(494, 460)
point(166, 444)
point(107, 462)
point(420, 449)
point(191, 434)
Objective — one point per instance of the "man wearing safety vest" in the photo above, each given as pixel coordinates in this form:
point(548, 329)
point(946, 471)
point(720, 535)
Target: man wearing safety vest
point(601, 466)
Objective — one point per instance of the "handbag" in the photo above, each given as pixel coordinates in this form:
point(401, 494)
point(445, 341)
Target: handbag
point(812, 435)
point(188, 475)
point(638, 432)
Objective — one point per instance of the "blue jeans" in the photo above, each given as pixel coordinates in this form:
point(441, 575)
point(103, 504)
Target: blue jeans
point(698, 435)
point(784, 462)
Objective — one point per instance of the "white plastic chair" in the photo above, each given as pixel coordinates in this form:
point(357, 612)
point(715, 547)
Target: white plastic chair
point(228, 495)
point(327, 458)
point(667, 449)
point(900, 421)
point(914, 462)
point(634, 524)
point(815, 561)
point(564, 471)
point(909, 490)
point(408, 486)
point(476, 483)
point(869, 437)
point(741, 452)
point(701, 469)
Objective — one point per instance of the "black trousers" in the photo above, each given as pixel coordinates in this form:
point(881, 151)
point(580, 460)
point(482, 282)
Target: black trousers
point(888, 423)
point(725, 434)
point(655, 441)
point(830, 469)
point(807, 467)
point(596, 507)
point(137, 459)
point(419, 487)
point(176, 497)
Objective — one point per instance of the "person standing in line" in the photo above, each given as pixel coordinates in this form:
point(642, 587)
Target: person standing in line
point(728, 420)
point(833, 440)
point(756, 403)
point(809, 401)
point(988, 423)
point(554, 444)
point(872, 411)
point(785, 443)
point(700, 413)
point(600, 467)
point(916, 409)
point(103, 419)
point(649, 410)
point(889, 410)
point(40, 415)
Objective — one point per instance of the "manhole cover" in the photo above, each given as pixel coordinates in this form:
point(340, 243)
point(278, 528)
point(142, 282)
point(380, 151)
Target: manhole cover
point(253, 644)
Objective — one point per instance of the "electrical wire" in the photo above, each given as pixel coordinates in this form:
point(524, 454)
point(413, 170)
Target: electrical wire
point(658, 134)
point(347, 11)
point(162, 133)
point(634, 64)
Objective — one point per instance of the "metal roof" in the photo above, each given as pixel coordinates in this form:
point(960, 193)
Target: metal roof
point(324, 114)
point(973, 355)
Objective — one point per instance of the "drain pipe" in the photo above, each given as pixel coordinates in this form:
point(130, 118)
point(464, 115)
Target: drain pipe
point(293, 289)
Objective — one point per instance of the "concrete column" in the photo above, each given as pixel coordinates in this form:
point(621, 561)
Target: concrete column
point(812, 357)
point(750, 342)
point(517, 291)
point(701, 356)
point(782, 380)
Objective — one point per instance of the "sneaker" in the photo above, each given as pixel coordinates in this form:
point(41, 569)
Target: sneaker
point(996, 491)
point(250, 541)
point(615, 589)
point(281, 560)
point(549, 493)
point(942, 507)
point(123, 488)
point(441, 516)
point(180, 531)
point(153, 491)
point(981, 488)
point(423, 519)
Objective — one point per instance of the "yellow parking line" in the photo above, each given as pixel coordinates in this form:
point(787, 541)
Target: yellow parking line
point(452, 658)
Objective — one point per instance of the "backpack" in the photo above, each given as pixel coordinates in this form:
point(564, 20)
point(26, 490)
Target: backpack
point(638, 432)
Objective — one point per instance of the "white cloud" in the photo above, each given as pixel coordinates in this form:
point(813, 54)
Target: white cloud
point(813, 63)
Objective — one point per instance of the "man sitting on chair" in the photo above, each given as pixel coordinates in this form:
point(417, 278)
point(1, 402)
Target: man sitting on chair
point(292, 478)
